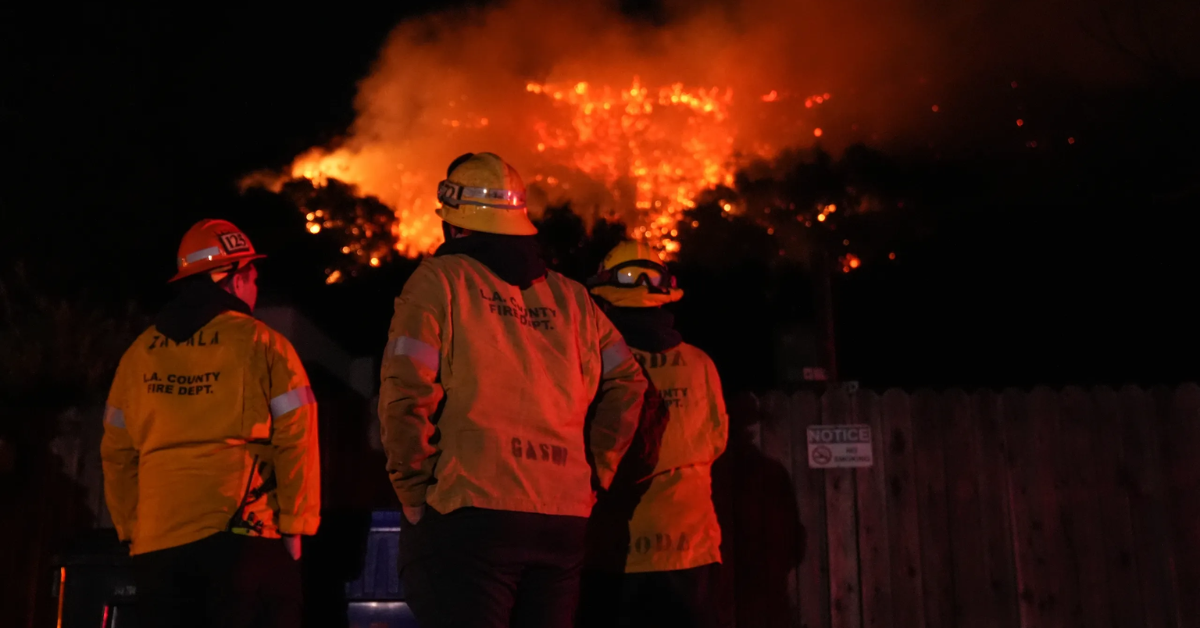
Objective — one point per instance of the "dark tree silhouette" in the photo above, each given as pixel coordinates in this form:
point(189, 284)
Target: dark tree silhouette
point(572, 249)
point(358, 226)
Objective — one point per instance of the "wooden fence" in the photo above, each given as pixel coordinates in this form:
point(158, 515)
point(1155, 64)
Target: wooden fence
point(1032, 509)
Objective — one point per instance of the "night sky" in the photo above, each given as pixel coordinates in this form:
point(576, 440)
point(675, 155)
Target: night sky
point(131, 123)
point(1070, 265)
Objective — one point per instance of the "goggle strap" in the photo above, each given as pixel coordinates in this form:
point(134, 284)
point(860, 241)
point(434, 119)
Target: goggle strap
point(450, 193)
point(641, 263)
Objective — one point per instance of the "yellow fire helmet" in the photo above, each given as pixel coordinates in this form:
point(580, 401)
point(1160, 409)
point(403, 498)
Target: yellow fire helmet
point(483, 193)
point(633, 275)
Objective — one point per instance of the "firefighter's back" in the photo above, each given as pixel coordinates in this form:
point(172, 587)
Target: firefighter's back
point(675, 525)
point(521, 368)
point(662, 507)
point(492, 367)
point(191, 409)
point(210, 448)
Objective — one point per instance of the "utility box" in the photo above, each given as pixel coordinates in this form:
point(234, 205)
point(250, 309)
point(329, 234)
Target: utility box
point(797, 358)
point(376, 598)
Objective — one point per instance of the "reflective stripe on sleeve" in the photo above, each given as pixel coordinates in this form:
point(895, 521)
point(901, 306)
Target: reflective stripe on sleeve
point(196, 256)
point(614, 356)
point(419, 351)
point(114, 417)
point(291, 400)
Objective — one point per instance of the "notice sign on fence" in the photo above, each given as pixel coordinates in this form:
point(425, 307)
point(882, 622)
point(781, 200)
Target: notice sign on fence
point(832, 446)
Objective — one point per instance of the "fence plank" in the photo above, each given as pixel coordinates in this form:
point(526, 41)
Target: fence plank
point(1062, 590)
point(776, 600)
point(758, 515)
point(1153, 432)
point(726, 496)
point(936, 567)
point(995, 521)
point(813, 576)
point(748, 475)
point(1079, 431)
point(874, 550)
point(1020, 439)
point(1182, 440)
point(1048, 583)
point(1150, 545)
point(1114, 477)
point(964, 466)
point(845, 599)
point(904, 532)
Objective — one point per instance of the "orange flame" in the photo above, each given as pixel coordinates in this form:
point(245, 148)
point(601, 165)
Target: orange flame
point(639, 152)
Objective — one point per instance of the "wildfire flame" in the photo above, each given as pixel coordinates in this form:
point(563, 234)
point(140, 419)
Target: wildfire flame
point(650, 151)
point(621, 122)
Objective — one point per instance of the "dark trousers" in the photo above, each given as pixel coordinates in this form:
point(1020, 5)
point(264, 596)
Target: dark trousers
point(225, 580)
point(476, 568)
point(656, 599)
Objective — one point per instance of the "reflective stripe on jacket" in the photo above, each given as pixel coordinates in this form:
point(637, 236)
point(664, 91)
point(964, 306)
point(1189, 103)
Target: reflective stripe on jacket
point(486, 391)
point(218, 432)
point(674, 525)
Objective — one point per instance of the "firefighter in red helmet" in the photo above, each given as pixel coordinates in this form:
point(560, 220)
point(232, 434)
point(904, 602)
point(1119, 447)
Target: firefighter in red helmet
point(506, 397)
point(665, 575)
point(210, 460)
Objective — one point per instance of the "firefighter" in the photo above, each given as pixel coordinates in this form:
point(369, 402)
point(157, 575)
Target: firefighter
point(506, 397)
point(666, 573)
point(211, 469)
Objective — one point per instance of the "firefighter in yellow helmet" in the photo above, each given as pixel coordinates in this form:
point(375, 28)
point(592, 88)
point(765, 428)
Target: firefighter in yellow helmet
point(506, 398)
point(665, 574)
point(211, 470)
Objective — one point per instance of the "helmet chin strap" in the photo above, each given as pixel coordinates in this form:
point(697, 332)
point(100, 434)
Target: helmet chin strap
point(452, 232)
point(219, 274)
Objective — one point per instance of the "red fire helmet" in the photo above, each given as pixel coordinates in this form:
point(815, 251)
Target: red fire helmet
point(211, 245)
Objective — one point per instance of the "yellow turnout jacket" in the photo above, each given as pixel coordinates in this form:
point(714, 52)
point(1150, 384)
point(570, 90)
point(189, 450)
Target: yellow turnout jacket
point(218, 432)
point(487, 392)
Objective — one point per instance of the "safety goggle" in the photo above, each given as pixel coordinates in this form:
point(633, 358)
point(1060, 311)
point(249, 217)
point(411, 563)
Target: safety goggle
point(640, 272)
point(452, 194)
